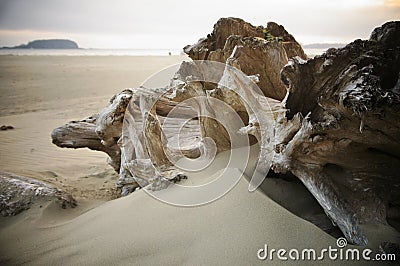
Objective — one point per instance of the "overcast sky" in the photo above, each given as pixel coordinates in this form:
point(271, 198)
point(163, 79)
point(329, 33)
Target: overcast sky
point(173, 24)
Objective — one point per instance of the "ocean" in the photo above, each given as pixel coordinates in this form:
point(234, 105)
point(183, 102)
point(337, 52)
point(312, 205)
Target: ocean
point(91, 52)
point(112, 52)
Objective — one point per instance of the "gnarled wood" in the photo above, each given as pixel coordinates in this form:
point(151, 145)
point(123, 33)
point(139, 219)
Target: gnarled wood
point(264, 51)
point(82, 134)
point(347, 151)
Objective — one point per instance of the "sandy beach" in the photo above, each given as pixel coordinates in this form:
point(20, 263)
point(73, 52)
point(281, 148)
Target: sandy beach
point(39, 93)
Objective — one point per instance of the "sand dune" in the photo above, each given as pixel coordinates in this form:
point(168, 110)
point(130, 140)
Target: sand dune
point(140, 230)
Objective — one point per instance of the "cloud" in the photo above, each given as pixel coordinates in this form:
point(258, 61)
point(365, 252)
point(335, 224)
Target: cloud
point(392, 3)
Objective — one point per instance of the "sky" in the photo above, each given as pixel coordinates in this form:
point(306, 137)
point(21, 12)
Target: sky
point(155, 24)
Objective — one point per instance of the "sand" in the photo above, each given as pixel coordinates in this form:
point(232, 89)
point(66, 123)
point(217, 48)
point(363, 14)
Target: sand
point(40, 93)
point(140, 230)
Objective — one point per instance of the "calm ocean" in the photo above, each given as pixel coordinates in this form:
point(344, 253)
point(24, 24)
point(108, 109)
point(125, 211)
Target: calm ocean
point(90, 52)
point(107, 52)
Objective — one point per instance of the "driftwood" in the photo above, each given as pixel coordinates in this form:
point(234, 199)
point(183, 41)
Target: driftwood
point(18, 193)
point(82, 134)
point(265, 51)
point(346, 151)
point(332, 121)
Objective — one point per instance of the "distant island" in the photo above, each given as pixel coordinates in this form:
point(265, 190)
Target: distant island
point(47, 44)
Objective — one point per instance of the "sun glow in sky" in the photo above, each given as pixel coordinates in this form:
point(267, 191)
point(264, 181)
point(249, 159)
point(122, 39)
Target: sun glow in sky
point(173, 24)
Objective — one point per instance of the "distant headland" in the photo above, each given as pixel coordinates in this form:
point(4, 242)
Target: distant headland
point(47, 44)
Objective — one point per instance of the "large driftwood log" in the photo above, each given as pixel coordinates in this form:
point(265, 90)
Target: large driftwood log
point(347, 151)
point(332, 121)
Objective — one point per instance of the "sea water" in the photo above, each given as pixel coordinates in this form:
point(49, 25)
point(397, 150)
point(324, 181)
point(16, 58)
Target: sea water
point(91, 52)
point(113, 52)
